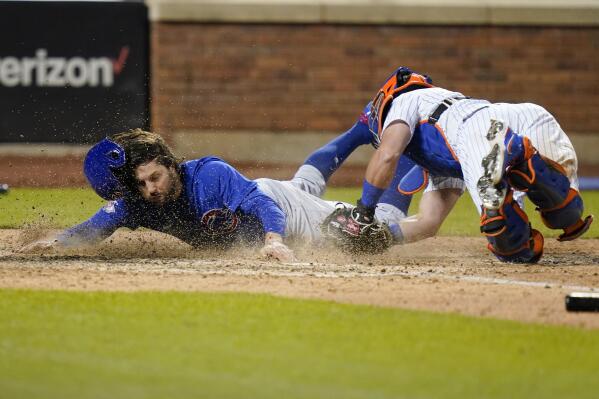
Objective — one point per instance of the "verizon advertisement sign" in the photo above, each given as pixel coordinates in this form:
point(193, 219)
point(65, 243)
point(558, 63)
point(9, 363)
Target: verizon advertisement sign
point(72, 72)
point(42, 70)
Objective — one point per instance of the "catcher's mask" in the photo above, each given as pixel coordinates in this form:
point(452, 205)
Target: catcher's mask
point(100, 163)
point(401, 81)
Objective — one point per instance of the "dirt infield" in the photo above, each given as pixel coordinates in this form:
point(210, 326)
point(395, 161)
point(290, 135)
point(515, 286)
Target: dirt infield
point(444, 274)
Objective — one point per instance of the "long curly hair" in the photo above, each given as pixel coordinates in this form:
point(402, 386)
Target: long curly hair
point(142, 147)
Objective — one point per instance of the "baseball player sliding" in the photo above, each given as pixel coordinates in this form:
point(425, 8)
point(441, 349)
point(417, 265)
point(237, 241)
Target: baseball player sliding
point(207, 203)
point(496, 151)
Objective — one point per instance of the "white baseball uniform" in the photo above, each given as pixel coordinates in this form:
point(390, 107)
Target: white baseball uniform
point(464, 126)
point(299, 198)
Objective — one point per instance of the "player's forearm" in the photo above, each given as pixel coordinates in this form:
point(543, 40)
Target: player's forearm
point(433, 210)
point(267, 211)
point(381, 167)
point(378, 176)
point(83, 234)
point(414, 228)
point(70, 238)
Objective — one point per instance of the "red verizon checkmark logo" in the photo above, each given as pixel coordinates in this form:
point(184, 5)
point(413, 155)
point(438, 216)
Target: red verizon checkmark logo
point(119, 63)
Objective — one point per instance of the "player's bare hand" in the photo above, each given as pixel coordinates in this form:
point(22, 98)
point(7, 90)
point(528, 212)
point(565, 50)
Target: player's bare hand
point(274, 248)
point(278, 251)
point(47, 245)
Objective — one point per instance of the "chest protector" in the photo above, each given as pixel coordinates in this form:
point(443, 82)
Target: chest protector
point(428, 147)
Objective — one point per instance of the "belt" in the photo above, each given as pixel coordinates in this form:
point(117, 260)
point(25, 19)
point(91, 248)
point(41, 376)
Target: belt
point(448, 102)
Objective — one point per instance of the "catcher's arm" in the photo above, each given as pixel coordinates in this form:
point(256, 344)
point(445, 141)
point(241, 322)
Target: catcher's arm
point(434, 207)
point(381, 167)
point(356, 229)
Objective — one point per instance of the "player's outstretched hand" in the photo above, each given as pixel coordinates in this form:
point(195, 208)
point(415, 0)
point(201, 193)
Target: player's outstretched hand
point(46, 245)
point(274, 248)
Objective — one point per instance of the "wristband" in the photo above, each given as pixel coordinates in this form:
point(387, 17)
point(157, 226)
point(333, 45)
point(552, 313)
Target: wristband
point(370, 195)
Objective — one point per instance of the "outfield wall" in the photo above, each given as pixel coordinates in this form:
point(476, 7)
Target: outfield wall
point(288, 70)
point(264, 82)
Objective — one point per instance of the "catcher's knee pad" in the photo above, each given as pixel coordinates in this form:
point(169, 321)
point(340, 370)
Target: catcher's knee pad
point(509, 234)
point(548, 187)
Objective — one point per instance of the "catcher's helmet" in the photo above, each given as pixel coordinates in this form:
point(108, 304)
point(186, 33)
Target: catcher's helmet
point(401, 81)
point(101, 161)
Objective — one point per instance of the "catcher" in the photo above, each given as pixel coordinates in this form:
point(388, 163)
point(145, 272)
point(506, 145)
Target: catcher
point(207, 203)
point(497, 151)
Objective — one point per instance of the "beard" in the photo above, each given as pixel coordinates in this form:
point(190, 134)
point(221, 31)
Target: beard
point(174, 190)
point(171, 193)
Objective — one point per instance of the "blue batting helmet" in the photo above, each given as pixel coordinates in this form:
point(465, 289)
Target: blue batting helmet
point(101, 161)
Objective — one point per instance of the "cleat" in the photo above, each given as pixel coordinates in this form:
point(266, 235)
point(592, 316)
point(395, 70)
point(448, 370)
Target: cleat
point(490, 189)
point(497, 127)
point(494, 162)
point(491, 195)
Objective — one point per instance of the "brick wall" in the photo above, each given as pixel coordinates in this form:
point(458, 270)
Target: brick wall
point(317, 77)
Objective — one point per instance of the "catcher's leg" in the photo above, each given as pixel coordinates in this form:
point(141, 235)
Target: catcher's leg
point(547, 186)
point(507, 149)
point(544, 181)
point(503, 222)
point(508, 231)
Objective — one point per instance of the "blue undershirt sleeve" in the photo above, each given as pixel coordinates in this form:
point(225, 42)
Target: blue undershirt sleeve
point(264, 208)
point(100, 226)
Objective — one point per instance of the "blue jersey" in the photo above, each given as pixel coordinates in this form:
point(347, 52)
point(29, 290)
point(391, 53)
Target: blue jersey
point(217, 207)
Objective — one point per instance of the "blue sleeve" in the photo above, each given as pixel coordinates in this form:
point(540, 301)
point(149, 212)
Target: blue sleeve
point(264, 208)
point(237, 192)
point(109, 218)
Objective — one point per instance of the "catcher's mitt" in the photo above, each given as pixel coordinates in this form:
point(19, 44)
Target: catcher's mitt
point(352, 233)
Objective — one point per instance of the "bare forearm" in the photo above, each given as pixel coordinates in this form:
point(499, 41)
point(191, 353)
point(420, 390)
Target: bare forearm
point(415, 228)
point(382, 167)
point(434, 208)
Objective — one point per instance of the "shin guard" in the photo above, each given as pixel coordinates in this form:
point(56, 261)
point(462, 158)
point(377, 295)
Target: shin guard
point(547, 186)
point(510, 236)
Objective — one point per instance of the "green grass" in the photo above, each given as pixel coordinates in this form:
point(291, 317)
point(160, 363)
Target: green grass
point(56, 344)
point(52, 207)
point(61, 208)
